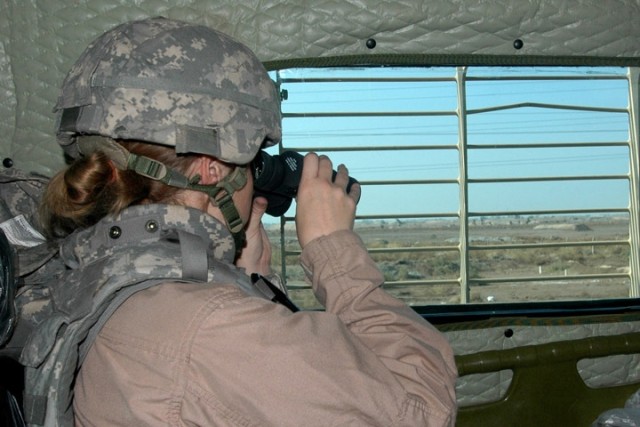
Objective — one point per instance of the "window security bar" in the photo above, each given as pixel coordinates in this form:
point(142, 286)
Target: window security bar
point(465, 215)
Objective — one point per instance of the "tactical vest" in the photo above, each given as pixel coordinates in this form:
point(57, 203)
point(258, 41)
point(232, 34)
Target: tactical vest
point(103, 266)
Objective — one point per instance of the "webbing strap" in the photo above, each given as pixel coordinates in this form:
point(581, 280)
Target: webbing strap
point(220, 193)
point(195, 264)
point(232, 217)
point(272, 292)
point(156, 170)
point(35, 409)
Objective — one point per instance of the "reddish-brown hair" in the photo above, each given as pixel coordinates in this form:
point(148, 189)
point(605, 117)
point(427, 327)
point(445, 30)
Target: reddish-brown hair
point(92, 187)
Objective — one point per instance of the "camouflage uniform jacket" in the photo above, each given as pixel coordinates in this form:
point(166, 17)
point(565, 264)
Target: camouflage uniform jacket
point(103, 266)
point(186, 354)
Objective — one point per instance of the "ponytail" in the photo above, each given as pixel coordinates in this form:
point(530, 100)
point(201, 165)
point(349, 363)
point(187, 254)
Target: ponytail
point(92, 187)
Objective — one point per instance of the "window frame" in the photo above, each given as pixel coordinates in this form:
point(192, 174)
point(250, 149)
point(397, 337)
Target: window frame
point(465, 215)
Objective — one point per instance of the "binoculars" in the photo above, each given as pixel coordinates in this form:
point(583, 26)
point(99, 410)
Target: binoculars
point(277, 178)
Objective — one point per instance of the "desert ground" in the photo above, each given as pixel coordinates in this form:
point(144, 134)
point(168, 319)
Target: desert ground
point(582, 258)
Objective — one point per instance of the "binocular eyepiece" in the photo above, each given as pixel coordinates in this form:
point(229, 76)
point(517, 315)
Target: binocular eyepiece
point(277, 178)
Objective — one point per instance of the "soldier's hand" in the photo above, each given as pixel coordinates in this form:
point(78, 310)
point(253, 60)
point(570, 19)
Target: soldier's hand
point(256, 255)
point(323, 206)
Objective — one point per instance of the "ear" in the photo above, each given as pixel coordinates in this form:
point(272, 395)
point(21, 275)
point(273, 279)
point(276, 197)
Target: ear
point(210, 169)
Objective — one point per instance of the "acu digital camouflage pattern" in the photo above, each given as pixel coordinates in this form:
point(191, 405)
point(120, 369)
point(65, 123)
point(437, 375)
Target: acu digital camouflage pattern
point(172, 83)
point(103, 265)
point(20, 193)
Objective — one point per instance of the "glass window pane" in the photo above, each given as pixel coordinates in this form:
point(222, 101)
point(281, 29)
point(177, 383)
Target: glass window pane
point(522, 188)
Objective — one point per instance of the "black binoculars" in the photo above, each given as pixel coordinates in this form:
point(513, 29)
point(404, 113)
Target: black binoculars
point(277, 178)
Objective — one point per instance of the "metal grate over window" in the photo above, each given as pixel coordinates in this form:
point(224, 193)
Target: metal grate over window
point(480, 184)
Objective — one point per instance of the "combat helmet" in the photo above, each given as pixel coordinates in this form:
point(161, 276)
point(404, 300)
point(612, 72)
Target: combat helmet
point(172, 83)
point(176, 84)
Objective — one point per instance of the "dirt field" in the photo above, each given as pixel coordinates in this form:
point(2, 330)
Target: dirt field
point(498, 271)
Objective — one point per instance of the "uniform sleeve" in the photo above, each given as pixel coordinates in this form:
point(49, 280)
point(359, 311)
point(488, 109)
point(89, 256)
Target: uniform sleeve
point(347, 282)
point(211, 354)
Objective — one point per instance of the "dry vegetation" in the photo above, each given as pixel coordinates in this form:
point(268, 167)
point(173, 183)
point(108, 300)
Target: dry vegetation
point(419, 274)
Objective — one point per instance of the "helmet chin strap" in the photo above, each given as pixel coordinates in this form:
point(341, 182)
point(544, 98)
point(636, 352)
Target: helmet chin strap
point(221, 196)
point(220, 193)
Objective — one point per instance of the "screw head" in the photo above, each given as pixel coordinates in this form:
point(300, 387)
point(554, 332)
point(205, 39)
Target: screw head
point(115, 232)
point(151, 226)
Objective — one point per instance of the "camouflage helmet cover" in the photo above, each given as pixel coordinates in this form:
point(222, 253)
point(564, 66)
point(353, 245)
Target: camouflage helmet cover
point(172, 83)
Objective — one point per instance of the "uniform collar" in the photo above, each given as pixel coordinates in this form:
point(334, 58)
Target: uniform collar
point(144, 225)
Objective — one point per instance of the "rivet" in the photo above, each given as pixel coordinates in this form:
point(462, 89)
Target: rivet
point(115, 232)
point(371, 43)
point(518, 44)
point(7, 162)
point(151, 226)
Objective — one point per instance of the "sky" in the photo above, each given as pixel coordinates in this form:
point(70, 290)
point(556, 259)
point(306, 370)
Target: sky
point(407, 146)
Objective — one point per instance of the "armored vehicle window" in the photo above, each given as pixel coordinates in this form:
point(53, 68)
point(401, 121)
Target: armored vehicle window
point(480, 184)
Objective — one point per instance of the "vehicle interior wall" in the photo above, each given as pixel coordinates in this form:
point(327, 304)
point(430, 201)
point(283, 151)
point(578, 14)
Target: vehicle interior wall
point(40, 40)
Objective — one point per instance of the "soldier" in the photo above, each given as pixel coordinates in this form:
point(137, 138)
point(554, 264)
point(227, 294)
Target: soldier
point(160, 234)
